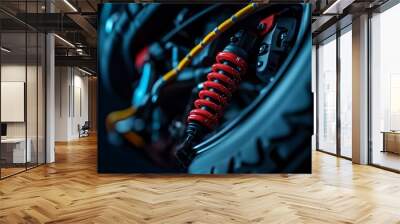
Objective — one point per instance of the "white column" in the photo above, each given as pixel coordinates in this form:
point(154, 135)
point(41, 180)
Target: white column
point(50, 93)
point(360, 90)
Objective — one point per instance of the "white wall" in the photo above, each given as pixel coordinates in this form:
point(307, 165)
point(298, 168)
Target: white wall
point(16, 72)
point(80, 110)
point(33, 126)
point(61, 103)
point(71, 102)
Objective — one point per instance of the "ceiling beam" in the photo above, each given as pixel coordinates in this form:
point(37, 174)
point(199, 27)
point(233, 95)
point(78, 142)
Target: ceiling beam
point(79, 61)
point(85, 25)
point(337, 6)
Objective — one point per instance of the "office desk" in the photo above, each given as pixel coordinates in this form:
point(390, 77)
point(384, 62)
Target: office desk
point(391, 141)
point(13, 150)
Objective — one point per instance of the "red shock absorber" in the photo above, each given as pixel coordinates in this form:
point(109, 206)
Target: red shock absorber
point(221, 82)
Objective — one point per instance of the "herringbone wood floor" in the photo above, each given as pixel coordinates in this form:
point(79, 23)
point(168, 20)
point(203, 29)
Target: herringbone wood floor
point(71, 191)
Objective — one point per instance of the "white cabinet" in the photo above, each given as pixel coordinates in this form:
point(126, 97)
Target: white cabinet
point(17, 145)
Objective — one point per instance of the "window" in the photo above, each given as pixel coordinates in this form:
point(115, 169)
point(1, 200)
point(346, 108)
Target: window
point(314, 85)
point(346, 92)
point(327, 96)
point(385, 89)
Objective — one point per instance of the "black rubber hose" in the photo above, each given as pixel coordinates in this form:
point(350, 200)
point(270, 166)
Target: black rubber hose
point(204, 12)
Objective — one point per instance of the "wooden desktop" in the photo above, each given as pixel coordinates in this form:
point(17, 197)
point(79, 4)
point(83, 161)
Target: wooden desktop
point(391, 141)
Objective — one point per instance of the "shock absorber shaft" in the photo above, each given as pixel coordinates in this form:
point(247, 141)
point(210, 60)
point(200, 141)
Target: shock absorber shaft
point(222, 81)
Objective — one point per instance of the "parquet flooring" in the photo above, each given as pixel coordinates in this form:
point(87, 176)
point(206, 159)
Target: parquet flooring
point(8, 171)
point(71, 191)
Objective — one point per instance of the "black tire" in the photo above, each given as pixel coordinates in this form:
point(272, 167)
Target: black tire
point(273, 134)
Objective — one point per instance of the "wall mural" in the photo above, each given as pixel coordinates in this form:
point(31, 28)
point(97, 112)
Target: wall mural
point(200, 89)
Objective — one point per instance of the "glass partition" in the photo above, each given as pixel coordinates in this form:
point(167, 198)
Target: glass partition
point(13, 105)
point(22, 89)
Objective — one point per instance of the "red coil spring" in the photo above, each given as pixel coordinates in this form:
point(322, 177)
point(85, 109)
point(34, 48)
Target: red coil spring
point(221, 82)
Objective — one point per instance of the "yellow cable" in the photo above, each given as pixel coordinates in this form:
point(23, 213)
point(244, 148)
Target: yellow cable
point(208, 39)
point(119, 115)
point(135, 139)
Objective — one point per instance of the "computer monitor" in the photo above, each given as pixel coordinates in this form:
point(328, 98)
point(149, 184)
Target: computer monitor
point(3, 129)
